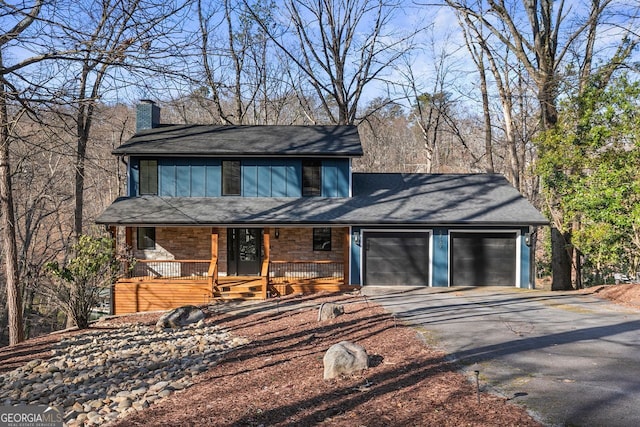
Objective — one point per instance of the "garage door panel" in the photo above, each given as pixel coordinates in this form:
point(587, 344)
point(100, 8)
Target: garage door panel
point(483, 259)
point(396, 258)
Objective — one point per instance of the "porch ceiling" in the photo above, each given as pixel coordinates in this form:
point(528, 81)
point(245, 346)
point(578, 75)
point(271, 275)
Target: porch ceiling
point(406, 199)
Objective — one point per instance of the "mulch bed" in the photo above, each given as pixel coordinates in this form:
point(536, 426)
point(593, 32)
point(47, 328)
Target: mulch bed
point(277, 379)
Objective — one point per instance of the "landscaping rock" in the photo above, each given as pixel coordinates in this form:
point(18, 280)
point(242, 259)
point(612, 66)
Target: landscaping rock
point(107, 373)
point(329, 310)
point(179, 317)
point(344, 358)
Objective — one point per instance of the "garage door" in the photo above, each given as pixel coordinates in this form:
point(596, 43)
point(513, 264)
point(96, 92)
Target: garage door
point(396, 258)
point(483, 259)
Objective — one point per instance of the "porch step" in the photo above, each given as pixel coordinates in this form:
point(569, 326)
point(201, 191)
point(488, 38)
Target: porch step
point(239, 287)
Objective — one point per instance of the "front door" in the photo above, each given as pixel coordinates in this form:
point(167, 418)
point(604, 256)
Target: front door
point(244, 249)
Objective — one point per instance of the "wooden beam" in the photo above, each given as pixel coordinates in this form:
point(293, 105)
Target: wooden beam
point(113, 231)
point(266, 242)
point(214, 243)
point(128, 237)
point(213, 273)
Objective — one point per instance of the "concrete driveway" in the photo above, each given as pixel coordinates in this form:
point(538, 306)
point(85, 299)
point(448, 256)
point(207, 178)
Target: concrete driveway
point(572, 360)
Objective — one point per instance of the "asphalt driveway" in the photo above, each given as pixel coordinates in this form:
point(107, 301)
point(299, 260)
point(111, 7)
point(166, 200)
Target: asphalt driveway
point(572, 360)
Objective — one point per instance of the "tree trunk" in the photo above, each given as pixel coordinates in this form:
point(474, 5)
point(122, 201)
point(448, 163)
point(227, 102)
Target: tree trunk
point(14, 296)
point(79, 186)
point(560, 260)
point(486, 114)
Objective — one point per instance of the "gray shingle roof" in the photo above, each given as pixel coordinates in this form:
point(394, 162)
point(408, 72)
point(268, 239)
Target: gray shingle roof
point(187, 140)
point(407, 199)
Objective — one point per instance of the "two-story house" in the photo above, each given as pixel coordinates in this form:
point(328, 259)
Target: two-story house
point(259, 211)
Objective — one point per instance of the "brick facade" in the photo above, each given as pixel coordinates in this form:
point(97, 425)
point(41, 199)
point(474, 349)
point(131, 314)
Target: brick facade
point(194, 243)
point(181, 243)
point(296, 244)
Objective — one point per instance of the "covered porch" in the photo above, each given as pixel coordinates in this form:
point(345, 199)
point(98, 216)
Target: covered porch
point(174, 266)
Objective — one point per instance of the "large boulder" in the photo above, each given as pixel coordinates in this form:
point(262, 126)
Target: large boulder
point(344, 358)
point(179, 317)
point(329, 310)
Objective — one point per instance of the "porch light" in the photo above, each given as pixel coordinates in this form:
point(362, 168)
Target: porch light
point(530, 236)
point(356, 238)
point(277, 233)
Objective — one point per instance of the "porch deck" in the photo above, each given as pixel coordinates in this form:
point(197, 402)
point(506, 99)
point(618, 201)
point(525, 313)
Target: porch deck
point(162, 285)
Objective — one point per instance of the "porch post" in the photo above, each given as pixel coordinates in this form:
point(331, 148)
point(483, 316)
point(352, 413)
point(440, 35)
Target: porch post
point(128, 237)
point(345, 256)
point(112, 295)
point(128, 247)
point(213, 269)
point(266, 241)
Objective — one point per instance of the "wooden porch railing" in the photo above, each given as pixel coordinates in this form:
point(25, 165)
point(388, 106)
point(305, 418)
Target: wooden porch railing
point(293, 271)
point(212, 273)
point(171, 269)
point(272, 272)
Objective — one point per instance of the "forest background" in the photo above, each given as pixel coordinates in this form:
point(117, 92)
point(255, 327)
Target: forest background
point(545, 92)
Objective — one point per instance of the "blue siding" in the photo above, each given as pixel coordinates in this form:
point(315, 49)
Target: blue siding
point(329, 179)
point(213, 178)
point(343, 178)
point(440, 257)
point(249, 179)
point(183, 178)
point(201, 177)
point(134, 177)
point(293, 178)
point(355, 265)
point(198, 179)
point(278, 181)
point(335, 178)
point(526, 281)
point(264, 180)
point(166, 178)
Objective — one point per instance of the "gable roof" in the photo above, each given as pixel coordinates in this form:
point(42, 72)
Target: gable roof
point(378, 199)
point(186, 140)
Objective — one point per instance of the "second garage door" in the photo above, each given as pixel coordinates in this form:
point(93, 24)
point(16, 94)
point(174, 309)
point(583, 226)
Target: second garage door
point(396, 258)
point(483, 259)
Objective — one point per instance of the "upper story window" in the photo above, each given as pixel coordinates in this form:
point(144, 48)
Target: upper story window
point(148, 177)
point(231, 178)
point(311, 178)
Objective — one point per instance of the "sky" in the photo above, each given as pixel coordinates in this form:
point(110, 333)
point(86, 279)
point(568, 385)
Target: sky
point(439, 47)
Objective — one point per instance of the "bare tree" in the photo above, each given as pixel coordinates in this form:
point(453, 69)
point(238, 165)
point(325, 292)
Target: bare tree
point(541, 45)
point(235, 58)
point(341, 47)
point(44, 212)
point(477, 53)
point(387, 139)
point(113, 41)
point(23, 20)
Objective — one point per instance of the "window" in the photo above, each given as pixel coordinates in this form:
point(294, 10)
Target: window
point(321, 239)
point(311, 178)
point(146, 238)
point(148, 177)
point(231, 178)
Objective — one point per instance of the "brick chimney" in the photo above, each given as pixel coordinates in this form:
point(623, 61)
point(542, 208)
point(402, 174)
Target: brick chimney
point(147, 115)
